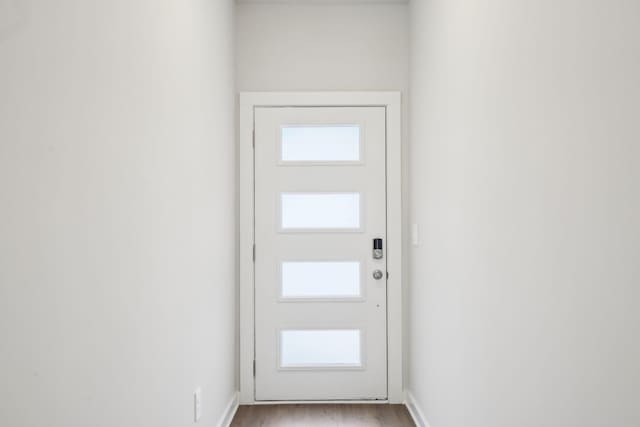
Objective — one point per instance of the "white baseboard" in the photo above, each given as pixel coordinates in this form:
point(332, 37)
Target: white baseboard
point(416, 412)
point(229, 411)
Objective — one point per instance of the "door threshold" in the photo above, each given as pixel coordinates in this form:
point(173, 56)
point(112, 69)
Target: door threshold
point(318, 402)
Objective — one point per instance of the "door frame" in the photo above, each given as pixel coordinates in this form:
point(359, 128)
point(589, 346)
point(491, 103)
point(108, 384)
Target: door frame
point(392, 103)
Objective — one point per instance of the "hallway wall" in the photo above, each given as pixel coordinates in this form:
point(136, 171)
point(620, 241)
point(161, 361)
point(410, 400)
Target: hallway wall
point(116, 212)
point(524, 183)
point(322, 47)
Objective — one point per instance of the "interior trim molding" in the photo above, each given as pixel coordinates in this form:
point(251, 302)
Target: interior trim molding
point(392, 101)
point(415, 411)
point(229, 411)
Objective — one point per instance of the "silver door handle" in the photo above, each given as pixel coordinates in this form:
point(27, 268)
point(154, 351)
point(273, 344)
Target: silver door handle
point(378, 274)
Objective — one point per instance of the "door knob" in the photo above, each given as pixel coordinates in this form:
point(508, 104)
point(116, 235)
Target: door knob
point(377, 274)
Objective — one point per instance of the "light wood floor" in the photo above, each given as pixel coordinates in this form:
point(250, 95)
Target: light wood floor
point(323, 415)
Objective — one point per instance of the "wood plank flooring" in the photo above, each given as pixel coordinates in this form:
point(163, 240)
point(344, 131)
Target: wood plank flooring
point(323, 415)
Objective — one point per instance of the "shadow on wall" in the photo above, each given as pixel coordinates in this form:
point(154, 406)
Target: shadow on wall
point(14, 16)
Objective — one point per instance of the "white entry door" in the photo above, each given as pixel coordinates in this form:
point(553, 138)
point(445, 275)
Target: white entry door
point(320, 265)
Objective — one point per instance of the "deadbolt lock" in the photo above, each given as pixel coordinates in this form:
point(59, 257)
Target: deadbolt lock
point(377, 249)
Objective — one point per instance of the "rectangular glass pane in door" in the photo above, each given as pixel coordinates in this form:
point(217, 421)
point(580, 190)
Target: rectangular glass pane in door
point(336, 143)
point(320, 211)
point(321, 279)
point(320, 348)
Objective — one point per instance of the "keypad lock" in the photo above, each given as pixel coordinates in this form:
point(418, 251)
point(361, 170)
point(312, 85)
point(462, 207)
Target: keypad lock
point(377, 249)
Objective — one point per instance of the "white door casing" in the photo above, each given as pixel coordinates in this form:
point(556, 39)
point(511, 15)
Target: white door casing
point(320, 201)
point(342, 319)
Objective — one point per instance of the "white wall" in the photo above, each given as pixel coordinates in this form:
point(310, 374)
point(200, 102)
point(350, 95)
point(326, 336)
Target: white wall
point(524, 176)
point(116, 212)
point(300, 47)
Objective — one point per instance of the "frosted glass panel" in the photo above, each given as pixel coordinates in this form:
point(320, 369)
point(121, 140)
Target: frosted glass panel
point(320, 348)
point(320, 210)
point(320, 279)
point(321, 143)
